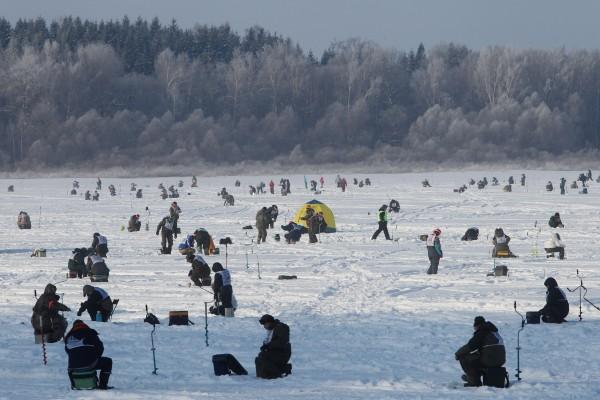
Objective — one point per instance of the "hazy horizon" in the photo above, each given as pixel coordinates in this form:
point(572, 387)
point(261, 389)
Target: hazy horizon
point(398, 24)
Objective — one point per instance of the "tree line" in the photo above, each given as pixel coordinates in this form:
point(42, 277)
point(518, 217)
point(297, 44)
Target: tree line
point(119, 93)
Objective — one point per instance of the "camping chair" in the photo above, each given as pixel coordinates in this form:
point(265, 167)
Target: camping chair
point(83, 379)
point(115, 303)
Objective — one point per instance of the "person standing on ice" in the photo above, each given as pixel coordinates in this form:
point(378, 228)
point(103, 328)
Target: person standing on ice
point(382, 220)
point(557, 305)
point(434, 251)
point(100, 244)
point(165, 229)
point(484, 350)
point(322, 182)
point(174, 212)
point(263, 221)
point(275, 353)
point(85, 351)
point(563, 183)
point(272, 187)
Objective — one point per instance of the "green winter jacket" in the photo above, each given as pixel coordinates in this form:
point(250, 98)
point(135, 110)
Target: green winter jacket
point(382, 216)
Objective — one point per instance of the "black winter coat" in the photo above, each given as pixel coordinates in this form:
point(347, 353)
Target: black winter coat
point(488, 342)
point(556, 303)
point(83, 347)
point(555, 222)
point(279, 348)
point(45, 316)
point(95, 301)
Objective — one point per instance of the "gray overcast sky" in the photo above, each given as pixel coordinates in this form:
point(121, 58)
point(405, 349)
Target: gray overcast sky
point(392, 23)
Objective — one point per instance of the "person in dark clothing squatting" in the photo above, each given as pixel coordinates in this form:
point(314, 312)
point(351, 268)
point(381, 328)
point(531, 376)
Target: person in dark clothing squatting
point(85, 351)
point(484, 350)
point(275, 353)
point(557, 305)
point(200, 272)
point(46, 319)
point(98, 302)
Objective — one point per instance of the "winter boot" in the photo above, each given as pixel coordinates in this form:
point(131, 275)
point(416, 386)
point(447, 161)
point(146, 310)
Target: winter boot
point(103, 383)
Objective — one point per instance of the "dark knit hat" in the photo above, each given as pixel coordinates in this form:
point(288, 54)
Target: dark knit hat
point(266, 319)
point(479, 321)
point(217, 267)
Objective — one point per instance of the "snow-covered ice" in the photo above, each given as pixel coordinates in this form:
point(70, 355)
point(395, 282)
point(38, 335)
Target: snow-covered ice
point(366, 321)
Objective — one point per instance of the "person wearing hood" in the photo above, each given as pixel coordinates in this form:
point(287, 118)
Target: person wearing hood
point(134, 224)
point(500, 242)
point(382, 220)
point(85, 351)
point(98, 301)
point(46, 319)
point(275, 353)
point(557, 305)
point(484, 350)
point(166, 229)
point(100, 244)
point(222, 289)
point(262, 223)
point(200, 272)
point(554, 245)
point(434, 251)
point(316, 224)
point(555, 221)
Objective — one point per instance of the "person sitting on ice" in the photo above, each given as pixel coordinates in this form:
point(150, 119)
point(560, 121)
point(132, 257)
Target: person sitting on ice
point(557, 305)
point(100, 244)
point(200, 272)
point(98, 301)
point(46, 319)
point(500, 241)
point(276, 350)
point(187, 246)
point(134, 224)
point(85, 351)
point(76, 265)
point(555, 221)
point(97, 269)
point(554, 245)
point(23, 220)
point(484, 350)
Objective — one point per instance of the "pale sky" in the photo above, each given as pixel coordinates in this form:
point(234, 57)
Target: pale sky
point(392, 23)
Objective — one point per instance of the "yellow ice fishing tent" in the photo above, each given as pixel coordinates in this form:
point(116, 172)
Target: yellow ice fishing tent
point(317, 206)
